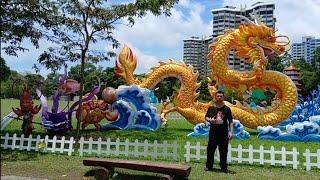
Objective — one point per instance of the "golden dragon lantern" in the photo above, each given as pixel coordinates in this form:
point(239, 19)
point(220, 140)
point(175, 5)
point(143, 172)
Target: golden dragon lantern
point(254, 42)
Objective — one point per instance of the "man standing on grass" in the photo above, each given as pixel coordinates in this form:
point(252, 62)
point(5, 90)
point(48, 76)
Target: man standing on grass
point(220, 118)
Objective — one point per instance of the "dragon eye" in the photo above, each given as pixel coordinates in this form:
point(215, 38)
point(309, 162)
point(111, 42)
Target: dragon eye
point(271, 38)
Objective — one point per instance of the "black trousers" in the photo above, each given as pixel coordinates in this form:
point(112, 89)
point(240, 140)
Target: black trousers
point(222, 142)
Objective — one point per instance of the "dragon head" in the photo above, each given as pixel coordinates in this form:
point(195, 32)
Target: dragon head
point(257, 43)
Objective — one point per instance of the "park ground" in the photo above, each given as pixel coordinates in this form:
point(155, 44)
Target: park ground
point(59, 166)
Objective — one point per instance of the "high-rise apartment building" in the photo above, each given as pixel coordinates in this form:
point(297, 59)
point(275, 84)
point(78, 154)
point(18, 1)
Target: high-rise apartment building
point(226, 18)
point(305, 49)
point(195, 52)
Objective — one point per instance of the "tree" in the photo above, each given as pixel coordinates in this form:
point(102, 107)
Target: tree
point(316, 60)
point(24, 19)
point(50, 84)
point(109, 78)
point(92, 73)
point(4, 69)
point(32, 80)
point(277, 64)
point(167, 87)
point(84, 23)
point(204, 94)
point(309, 75)
point(11, 88)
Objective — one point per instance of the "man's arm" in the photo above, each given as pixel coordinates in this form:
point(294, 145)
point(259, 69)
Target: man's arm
point(230, 135)
point(208, 117)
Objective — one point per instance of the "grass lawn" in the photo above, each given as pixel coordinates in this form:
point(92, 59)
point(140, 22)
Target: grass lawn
point(55, 166)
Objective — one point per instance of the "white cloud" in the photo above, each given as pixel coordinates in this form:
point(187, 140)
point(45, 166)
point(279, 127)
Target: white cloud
point(156, 34)
point(25, 60)
point(165, 31)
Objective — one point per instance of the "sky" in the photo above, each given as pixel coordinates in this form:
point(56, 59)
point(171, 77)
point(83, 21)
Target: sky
point(159, 38)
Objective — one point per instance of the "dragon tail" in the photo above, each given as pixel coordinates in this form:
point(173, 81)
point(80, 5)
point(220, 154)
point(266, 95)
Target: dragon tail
point(126, 64)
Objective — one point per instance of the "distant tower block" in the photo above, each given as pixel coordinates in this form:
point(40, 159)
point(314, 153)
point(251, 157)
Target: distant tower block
point(294, 75)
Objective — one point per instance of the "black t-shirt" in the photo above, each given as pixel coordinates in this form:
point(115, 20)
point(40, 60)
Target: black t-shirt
point(224, 117)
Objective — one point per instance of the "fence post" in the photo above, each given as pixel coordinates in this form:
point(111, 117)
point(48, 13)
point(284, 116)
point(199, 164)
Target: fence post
point(6, 138)
point(261, 157)
point(250, 154)
point(21, 143)
point(155, 149)
point(272, 155)
point(37, 143)
point(70, 146)
point(90, 145)
point(108, 146)
point(283, 156)
point(175, 150)
point(81, 146)
point(46, 140)
point(99, 146)
point(117, 147)
point(14, 139)
point(63, 139)
point(187, 154)
point(294, 158)
point(145, 148)
point(136, 148)
point(126, 148)
point(307, 163)
point(29, 142)
point(165, 149)
point(54, 142)
point(239, 153)
point(198, 149)
point(318, 158)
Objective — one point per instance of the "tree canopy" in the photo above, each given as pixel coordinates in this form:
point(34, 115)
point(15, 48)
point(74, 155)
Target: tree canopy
point(25, 20)
point(309, 75)
point(4, 69)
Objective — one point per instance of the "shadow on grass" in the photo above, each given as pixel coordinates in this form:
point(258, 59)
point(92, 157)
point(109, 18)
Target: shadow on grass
point(12, 156)
point(120, 175)
point(160, 135)
point(216, 170)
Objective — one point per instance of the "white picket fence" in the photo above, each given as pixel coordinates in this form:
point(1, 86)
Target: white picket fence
point(309, 157)
point(34, 144)
point(134, 149)
point(155, 150)
point(174, 116)
point(241, 155)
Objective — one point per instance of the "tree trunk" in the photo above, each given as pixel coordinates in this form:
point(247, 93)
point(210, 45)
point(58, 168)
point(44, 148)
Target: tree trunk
point(83, 56)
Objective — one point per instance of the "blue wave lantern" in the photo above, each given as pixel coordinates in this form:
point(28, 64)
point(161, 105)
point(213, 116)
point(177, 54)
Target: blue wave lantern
point(135, 109)
point(202, 129)
point(302, 125)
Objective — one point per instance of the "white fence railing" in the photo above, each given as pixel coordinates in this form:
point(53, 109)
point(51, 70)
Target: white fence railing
point(134, 149)
point(35, 144)
point(250, 155)
point(174, 116)
point(309, 159)
point(156, 150)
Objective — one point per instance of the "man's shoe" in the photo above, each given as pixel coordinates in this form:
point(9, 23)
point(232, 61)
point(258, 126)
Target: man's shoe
point(208, 169)
point(224, 170)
